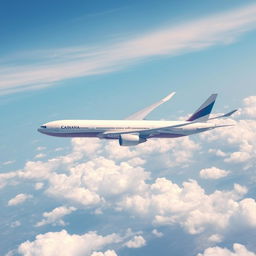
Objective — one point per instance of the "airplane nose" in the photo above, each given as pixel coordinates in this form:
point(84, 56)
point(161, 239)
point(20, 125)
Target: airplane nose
point(39, 130)
point(42, 128)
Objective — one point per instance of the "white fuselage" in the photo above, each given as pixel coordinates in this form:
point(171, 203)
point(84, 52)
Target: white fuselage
point(98, 128)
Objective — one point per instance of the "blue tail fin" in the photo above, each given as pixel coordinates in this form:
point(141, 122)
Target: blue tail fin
point(202, 113)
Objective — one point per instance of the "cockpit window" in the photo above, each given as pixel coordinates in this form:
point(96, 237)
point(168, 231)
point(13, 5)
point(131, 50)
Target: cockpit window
point(43, 126)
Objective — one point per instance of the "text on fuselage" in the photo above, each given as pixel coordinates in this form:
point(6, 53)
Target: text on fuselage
point(69, 127)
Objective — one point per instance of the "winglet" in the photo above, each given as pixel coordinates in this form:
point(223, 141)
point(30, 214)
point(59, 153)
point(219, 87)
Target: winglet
point(203, 112)
point(168, 97)
point(140, 115)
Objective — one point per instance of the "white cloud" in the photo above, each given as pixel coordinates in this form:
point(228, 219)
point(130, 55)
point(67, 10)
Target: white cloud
point(136, 242)
point(39, 185)
point(40, 155)
point(157, 233)
point(40, 148)
point(101, 183)
point(58, 149)
point(10, 253)
point(166, 203)
point(106, 253)
point(238, 157)
point(87, 147)
point(215, 238)
point(19, 199)
point(213, 173)
point(246, 213)
point(90, 183)
point(66, 244)
point(60, 64)
point(5, 177)
point(249, 107)
point(121, 181)
point(8, 162)
point(238, 250)
point(15, 224)
point(217, 152)
point(163, 153)
point(38, 169)
point(240, 144)
point(55, 216)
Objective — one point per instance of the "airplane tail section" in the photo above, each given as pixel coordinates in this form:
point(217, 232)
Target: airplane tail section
point(203, 112)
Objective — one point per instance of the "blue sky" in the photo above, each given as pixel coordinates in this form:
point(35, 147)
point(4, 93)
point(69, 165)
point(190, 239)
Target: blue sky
point(106, 60)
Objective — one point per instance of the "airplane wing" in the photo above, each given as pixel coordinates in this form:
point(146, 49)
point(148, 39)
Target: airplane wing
point(140, 115)
point(147, 132)
point(143, 131)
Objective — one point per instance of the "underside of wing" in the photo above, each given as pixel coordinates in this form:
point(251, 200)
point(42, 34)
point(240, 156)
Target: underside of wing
point(140, 115)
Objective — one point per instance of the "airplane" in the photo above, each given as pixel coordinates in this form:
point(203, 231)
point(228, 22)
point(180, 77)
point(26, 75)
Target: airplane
point(134, 129)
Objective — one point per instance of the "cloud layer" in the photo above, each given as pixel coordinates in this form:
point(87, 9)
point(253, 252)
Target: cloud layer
point(101, 176)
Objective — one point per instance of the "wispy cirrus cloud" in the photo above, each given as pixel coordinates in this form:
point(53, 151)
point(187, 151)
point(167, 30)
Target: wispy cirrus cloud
point(48, 67)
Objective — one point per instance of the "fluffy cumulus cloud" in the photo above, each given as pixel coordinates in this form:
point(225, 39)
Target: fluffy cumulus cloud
point(89, 179)
point(120, 184)
point(239, 143)
point(215, 238)
point(249, 108)
point(39, 185)
point(109, 164)
point(213, 173)
point(166, 203)
point(157, 233)
point(238, 250)
point(246, 212)
point(136, 242)
point(6, 177)
point(19, 199)
point(55, 216)
point(67, 244)
point(90, 183)
point(166, 153)
point(106, 253)
point(40, 155)
point(100, 175)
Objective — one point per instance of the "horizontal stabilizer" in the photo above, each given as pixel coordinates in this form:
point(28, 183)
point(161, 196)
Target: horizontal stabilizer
point(225, 115)
point(230, 113)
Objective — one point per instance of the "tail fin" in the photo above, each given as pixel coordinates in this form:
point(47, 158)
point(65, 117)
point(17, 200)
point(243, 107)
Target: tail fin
point(202, 113)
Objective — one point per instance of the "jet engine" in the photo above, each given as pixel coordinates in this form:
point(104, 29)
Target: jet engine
point(130, 139)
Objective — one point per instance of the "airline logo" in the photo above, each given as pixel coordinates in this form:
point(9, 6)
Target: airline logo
point(69, 127)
